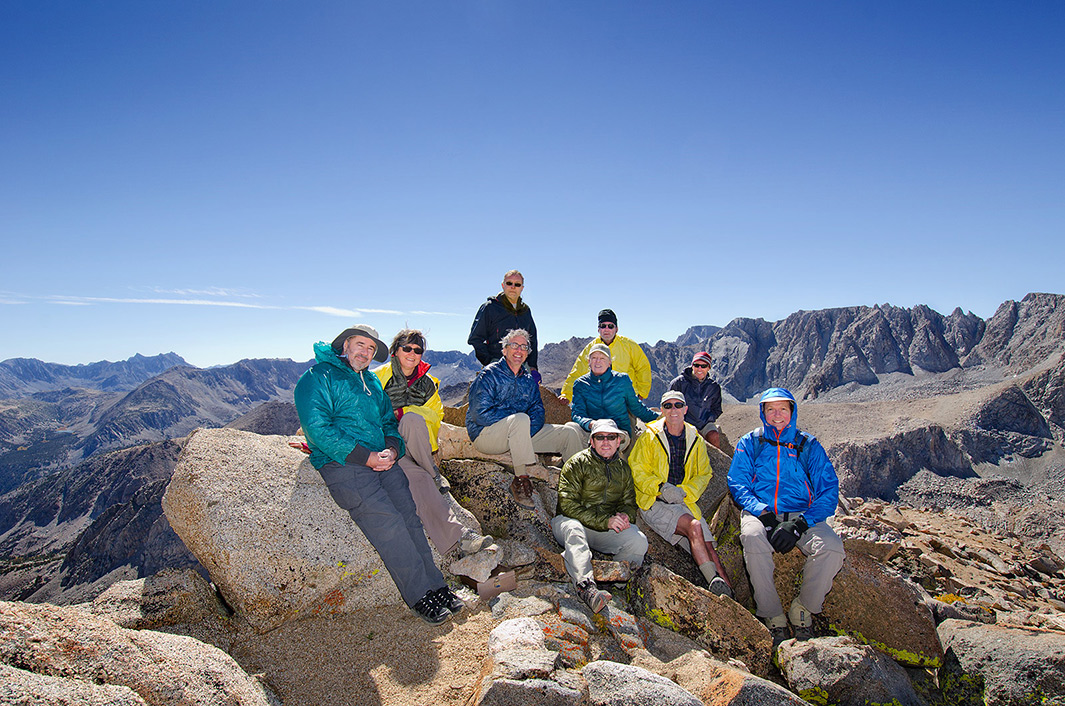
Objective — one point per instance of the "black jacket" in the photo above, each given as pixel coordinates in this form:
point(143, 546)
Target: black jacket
point(493, 320)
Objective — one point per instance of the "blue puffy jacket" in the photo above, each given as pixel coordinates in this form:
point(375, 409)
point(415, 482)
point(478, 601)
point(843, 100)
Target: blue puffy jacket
point(765, 472)
point(607, 396)
point(340, 409)
point(703, 398)
point(496, 393)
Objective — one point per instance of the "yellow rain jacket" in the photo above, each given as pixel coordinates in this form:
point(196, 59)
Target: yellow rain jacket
point(649, 461)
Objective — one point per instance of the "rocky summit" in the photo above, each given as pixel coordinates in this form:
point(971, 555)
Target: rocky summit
point(144, 562)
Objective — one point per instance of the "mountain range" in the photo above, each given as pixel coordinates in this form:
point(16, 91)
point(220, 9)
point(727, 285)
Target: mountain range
point(902, 397)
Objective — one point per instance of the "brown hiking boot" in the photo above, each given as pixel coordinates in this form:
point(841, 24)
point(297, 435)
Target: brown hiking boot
point(521, 489)
point(593, 595)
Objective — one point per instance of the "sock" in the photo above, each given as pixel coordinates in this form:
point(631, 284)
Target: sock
point(709, 571)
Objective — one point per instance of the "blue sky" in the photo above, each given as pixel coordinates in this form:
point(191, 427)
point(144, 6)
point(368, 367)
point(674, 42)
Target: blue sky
point(240, 179)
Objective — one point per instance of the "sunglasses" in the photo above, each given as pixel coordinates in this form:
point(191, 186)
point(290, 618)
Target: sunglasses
point(605, 437)
point(514, 284)
point(673, 405)
point(519, 346)
point(607, 324)
point(700, 365)
point(414, 349)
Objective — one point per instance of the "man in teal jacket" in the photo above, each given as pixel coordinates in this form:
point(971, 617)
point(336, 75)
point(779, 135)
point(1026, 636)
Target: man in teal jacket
point(355, 444)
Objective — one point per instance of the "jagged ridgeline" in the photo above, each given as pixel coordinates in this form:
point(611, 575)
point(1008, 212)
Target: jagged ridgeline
point(946, 432)
point(948, 411)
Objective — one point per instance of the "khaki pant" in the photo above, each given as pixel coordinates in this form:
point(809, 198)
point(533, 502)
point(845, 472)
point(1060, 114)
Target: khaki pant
point(824, 558)
point(512, 434)
point(628, 545)
point(443, 528)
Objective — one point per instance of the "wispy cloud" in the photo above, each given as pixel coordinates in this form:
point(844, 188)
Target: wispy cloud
point(332, 311)
point(188, 302)
point(68, 300)
point(207, 292)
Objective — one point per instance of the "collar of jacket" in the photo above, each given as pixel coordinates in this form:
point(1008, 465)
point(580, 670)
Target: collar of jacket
point(516, 309)
point(658, 426)
point(600, 379)
point(420, 371)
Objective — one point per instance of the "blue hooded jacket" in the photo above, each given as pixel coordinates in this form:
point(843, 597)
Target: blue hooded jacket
point(765, 474)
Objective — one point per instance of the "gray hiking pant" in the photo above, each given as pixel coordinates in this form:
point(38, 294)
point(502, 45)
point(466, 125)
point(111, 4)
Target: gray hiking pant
point(380, 503)
point(824, 558)
point(443, 528)
point(628, 545)
point(512, 434)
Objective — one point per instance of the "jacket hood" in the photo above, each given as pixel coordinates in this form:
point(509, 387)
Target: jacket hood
point(778, 393)
point(324, 353)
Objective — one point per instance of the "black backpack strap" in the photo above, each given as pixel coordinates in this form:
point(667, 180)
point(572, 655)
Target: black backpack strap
point(803, 437)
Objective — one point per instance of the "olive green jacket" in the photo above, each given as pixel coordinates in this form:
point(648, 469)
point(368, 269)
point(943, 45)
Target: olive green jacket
point(592, 490)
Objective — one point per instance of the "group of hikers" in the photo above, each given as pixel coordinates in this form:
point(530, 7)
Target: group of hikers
point(372, 436)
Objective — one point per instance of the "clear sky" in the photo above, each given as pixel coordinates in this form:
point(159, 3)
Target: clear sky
point(240, 179)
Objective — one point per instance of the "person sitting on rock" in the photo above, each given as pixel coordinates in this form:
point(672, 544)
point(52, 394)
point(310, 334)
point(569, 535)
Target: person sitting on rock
point(504, 312)
point(787, 488)
point(506, 413)
point(602, 393)
point(671, 469)
point(355, 442)
point(415, 396)
point(703, 396)
point(625, 354)
point(596, 510)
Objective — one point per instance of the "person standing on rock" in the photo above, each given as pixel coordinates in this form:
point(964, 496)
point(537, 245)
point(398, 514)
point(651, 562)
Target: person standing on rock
point(787, 488)
point(703, 395)
point(504, 312)
point(671, 469)
point(355, 442)
point(506, 413)
point(415, 397)
point(596, 509)
point(625, 354)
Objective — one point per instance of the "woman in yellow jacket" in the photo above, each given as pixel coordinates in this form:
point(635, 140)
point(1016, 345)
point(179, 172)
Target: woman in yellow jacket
point(671, 469)
point(415, 396)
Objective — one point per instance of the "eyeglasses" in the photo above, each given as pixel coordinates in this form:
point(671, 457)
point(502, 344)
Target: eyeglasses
point(673, 405)
point(519, 346)
point(515, 284)
point(700, 365)
point(607, 324)
point(410, 349)
point(605, 437)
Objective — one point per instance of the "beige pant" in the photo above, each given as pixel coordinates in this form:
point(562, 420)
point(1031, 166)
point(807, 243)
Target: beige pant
point(628, 545)
point(512, 434)
point(443, 528)
point(824, 558)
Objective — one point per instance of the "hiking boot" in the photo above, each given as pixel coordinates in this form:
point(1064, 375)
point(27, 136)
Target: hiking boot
point(593, 595)
point(801, 620)
point(448, 599)
point(778, 630)
point(720, 588)
point(521, 489)
point(471, 542)
point(431, 610)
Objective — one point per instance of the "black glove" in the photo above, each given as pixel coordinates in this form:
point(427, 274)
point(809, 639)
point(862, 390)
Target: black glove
point(769, 519)
point(786, 534)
